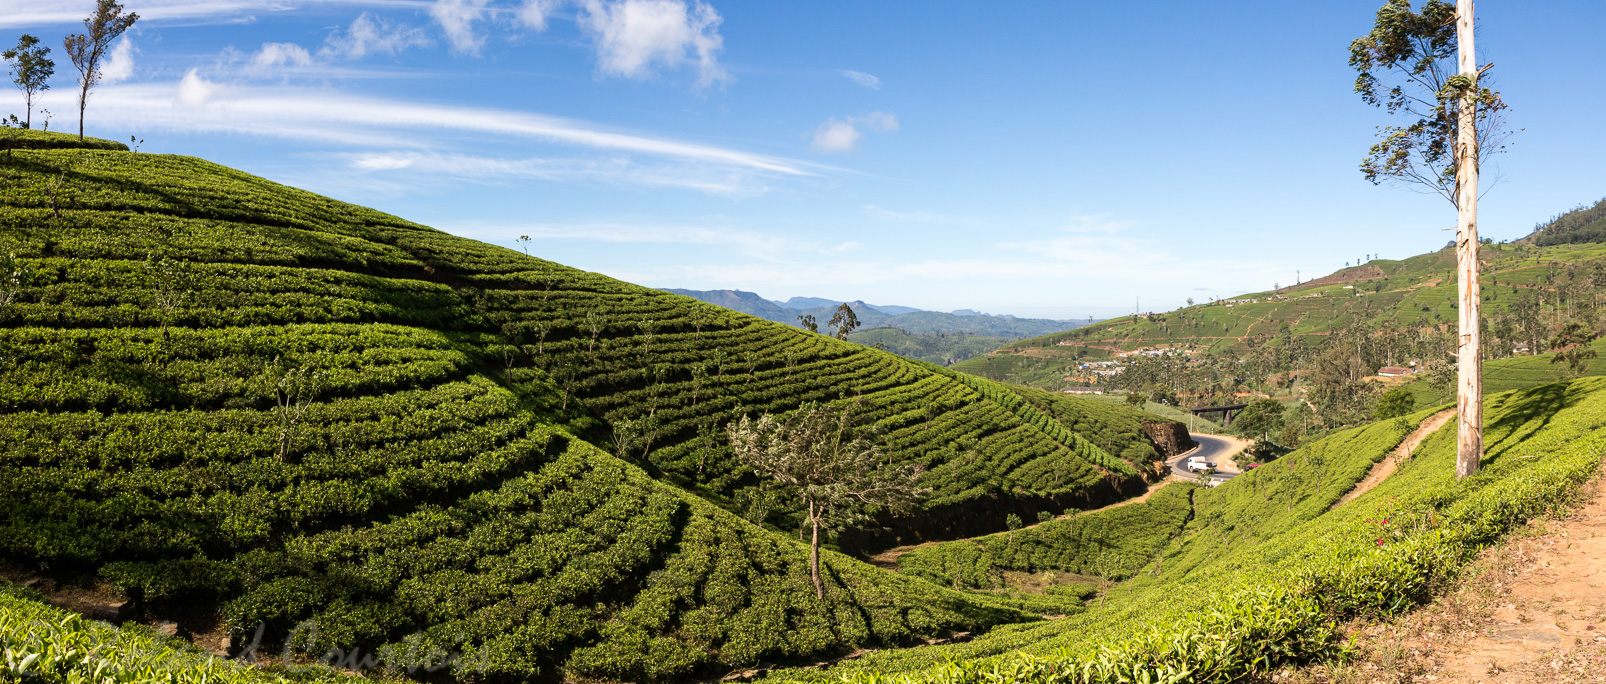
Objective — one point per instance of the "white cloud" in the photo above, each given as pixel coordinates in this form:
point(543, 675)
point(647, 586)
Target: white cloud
point(36, 13)
point(864, 79)
point(913, 216)
point(324, 115)
point(843, 135)
point(120, 64)
point(616, 169)
point(633, 35)
point(369, 35)
point(457, 18)
point(194, 91)
point(836, 136)
point(273, 55)
point(533, 13)
point(769, 248)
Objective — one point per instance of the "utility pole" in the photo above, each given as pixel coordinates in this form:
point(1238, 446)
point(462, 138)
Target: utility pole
point(1469, 371)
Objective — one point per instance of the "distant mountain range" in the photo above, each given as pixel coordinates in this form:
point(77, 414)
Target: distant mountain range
point(907, 318)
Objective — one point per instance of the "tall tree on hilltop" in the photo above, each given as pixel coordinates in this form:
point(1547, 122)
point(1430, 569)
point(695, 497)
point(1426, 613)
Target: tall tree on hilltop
point(85, 49)
point(843, 322)
point(31, 69)
point(833, 466)
point(1458, 122)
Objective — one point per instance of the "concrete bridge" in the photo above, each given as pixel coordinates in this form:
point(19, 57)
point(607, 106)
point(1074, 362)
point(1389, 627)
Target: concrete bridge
point(1225, 411)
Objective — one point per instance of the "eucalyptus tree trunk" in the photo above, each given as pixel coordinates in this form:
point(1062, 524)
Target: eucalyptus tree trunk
point(814, 552)
point(1469, 385)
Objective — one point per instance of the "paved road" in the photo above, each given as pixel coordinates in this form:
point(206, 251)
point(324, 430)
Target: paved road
point(1212, 448)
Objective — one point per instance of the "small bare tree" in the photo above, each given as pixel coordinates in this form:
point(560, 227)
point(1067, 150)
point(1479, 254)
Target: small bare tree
point(293, 392)
point(698, 319)
point(14, 277)
point(85, 49)
point(593, 324)
point(699, 375)
point(624, 436)
point(647, 327)
point(835, 468)
point(172, 284)
point(524, 242)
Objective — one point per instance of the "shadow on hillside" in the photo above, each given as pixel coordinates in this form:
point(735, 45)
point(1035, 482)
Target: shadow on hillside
point(1535, 409)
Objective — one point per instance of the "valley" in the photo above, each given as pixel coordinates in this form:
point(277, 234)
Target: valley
point(421, 343)
point(235, 410)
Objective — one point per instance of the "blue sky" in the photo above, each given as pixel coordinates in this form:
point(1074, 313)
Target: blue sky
point(1056, 159)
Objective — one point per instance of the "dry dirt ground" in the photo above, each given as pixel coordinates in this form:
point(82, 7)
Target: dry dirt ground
point(1533, 609)
point(1386, 467)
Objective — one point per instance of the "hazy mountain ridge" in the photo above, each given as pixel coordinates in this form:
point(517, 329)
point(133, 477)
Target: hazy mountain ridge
point(908, 319)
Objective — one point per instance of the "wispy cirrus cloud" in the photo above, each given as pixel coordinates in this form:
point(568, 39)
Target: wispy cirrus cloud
point(375, 135)
point(278, 55)
point(861, 78)
point(369, 34)
point(429, 167)
point(322, 114)
point(756, 245)
point(31, 13)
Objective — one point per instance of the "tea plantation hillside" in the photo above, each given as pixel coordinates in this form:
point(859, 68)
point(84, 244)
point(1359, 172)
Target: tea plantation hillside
point(1581, 225)
point(1527, 291)
point(1233, 583)
point(217, 390)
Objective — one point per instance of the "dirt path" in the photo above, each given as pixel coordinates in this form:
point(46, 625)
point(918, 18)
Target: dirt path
point(1534, 610)
point(1386, 467)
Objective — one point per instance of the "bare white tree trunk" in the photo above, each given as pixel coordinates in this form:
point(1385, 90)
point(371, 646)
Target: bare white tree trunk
point(1469, 385)
point(814, 554)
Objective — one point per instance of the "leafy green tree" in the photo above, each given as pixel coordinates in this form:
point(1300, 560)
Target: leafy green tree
point(836, 469)
point(1136, 399)
point(1260, 419)
point(807, 322)
point(1571, 347)
point(844, 322)
point(1394, 403)
point(86, 49)
point(31, 69)
point(1453, 123)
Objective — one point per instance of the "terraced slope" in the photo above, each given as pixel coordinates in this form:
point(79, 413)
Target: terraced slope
point(1521, 284)
point(1262, 573)
point(216, 389)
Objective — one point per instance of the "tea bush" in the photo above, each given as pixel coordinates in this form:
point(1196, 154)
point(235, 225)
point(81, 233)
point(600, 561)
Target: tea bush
point(1263, 573)
point(218, 390)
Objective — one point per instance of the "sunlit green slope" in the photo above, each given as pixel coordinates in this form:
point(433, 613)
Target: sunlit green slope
point(1261, 569)
point(1414, 293)
point(215, 389)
